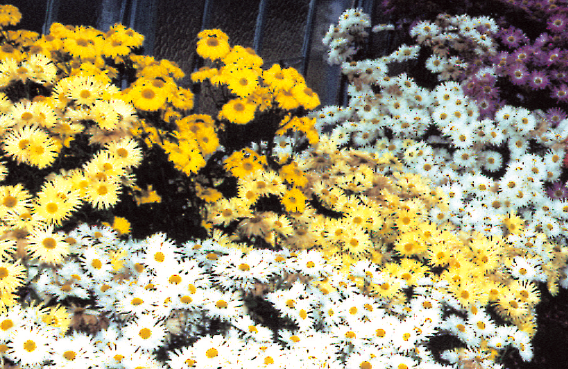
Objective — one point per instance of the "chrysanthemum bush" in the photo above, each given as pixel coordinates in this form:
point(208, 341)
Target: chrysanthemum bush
point(406, 230)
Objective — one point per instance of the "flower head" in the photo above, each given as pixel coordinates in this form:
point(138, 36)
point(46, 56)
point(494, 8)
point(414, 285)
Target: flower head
point(213, 44)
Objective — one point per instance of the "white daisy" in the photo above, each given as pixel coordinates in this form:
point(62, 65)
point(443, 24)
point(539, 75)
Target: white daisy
point(210, 351)
point(97, 264)
point(146, 332)
point(182, 358)
point(223, 305)
point(30, 346)
point(76, 350)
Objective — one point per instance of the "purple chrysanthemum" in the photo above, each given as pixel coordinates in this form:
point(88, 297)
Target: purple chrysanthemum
point(555, 116)
point(541, 41)
point(487, 106)
point(513, 37)
point(518, 73)
point(560, 93)
point(538, 80)
point(523, 54)
point(557, 191)
point(557, 23)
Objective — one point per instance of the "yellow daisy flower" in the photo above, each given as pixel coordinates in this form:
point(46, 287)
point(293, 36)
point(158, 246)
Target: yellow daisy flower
point(242, 82)
point(213, 44)
point(277, 78)
point(148, 95)
point(294, 201)
point(286, 100)
point(306, 96)
point(103, 194)
point(54, 205)
point(238, 111)
point(32, 146)
point(47, 246)
point(84, 43)
point(14, 199)
point(9, 15)
point(12, 276)
point(126, 152)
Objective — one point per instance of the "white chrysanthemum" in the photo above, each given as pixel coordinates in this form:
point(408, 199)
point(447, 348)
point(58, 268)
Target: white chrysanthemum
point(30, 346)
point(312, 264)
point(182, 358)
point(160, 254)
point(75, 351)
point(96, 263)
point(493, 160)
point(147, 332)
point(209, 352)
point(136, 301)
point(224, 306)
point(527, 269)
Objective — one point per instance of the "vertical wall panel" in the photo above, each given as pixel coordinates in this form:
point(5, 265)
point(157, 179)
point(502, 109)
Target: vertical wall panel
point(177, 26)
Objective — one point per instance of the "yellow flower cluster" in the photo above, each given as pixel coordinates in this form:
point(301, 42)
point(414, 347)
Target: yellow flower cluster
point(257, 90)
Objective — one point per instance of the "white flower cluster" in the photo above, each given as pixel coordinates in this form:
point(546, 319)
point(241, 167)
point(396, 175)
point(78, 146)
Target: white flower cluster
point(152, 289)
point(438, 133)
point(342, 38)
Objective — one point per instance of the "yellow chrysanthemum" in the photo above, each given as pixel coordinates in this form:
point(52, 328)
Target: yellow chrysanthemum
point(148, 95)
point(286, 100)
point(9, 15)
point(242, 163)
point(32, 146)
point(14, 199)
point(121, 225)
point(306, 96)
point(238, 111)
point(185, 155)
point(294, 200)
point(293, 175)
point(55, 202)
point(277, 78)
point(242, 82)
point(11, 276)
point(103, 194)
point(125, 153)
point(183, 99)
point(84, 43)
point(213, 44)
point(47, 246)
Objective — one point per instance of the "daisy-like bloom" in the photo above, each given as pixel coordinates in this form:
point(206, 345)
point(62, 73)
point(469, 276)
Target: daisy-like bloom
point(518, 73)
point(125, 152)
point(213, 44)
point(14, 199)
point(146, 332)
point(96, 263)
point(30, 346)
point(224, 305)
point(31, 145)
point(238, 111)
point(53, 206)
point(136, 300)
point(47, 246)
point(239, 271)
point(103, 194)
point(306, 96)
point(560, 92)
point(83, 90)
point(539, 80)
point(209, 351)
point(76, 350)
point(148, 95)
point(286, 100)
point(242, 82)
point(557, 23)
point(294, 201)
point(11, 276)
point(9, 15)
point(278, 78)
point(512, 37)
point(84, 42)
